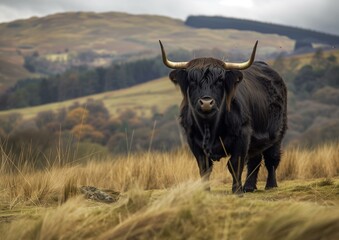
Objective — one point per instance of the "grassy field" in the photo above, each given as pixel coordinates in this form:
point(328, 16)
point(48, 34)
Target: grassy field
point(160, 94)
point(161, 197)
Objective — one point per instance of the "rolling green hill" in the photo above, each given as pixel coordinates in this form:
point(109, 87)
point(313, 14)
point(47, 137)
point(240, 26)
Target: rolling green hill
point(116, 34)
point(141, 98)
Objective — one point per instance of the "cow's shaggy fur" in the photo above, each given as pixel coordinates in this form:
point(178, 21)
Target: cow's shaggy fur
point(250, 122)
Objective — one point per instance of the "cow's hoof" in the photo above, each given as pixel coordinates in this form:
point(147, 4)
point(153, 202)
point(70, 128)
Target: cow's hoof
point(237, 190)
point(270, 187)
point(249, 189)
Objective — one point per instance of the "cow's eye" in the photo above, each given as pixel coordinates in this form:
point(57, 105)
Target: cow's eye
point(192, 83)
point(220, 81)
point(238, 80)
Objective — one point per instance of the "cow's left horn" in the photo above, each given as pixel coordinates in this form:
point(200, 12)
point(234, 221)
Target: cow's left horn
point(170, 64)
point(244, 65)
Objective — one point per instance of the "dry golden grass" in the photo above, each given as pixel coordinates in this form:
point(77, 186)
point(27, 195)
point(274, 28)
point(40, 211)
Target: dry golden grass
point(310, 163)
point(162, 198)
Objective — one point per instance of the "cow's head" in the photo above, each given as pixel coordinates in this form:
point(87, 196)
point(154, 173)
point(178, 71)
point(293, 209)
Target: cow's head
point(207, 83)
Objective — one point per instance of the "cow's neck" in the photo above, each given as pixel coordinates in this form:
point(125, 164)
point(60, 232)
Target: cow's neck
point(201, 123)
point(210, 137)
point(208, 140)
point(207, 128)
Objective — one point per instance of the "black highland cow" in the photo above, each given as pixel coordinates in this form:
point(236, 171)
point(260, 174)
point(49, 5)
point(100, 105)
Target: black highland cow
point(232, 109)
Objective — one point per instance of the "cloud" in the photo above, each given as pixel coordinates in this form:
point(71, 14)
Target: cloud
point(242, 4)
point(310, 14)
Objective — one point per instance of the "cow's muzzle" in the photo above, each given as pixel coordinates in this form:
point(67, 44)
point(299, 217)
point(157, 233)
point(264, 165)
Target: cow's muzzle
point(206, 104)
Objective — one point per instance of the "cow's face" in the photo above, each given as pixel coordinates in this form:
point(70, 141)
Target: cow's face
point(207, 83)
point(207, 87)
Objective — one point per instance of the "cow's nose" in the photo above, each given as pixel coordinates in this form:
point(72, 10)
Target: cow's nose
point(206, 104)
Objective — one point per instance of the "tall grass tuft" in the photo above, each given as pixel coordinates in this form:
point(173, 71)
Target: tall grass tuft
point(149, 170)
point(322, 161)
point(298, 222)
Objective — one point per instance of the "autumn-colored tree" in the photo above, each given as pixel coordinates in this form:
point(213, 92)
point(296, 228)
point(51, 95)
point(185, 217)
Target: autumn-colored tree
point(9, 122)
point(98, 113)
point(86, 132)
point(76, 116)
point(44, 118)
point(118, 143)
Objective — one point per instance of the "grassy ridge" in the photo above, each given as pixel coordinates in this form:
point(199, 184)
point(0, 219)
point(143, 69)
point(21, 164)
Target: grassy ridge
point(303, 59)
point(159, 93)
point(120, 33)
point(162, 198)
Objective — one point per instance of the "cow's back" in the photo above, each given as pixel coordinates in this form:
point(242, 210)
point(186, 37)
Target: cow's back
point(265, 94)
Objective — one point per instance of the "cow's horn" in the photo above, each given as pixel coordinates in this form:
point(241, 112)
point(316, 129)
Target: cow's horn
point(244, 65)
point(170, 64)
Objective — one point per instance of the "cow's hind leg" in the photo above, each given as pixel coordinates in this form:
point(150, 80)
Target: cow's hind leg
point(272, 158)
point(253, 166)
point(238, 156)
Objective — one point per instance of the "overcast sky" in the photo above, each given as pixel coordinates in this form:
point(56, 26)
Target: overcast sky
point(321, 15)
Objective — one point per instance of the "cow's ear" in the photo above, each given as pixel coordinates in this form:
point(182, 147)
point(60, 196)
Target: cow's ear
point(232, 77)
point(179, 77)
point(176, 76)
point(239, 76)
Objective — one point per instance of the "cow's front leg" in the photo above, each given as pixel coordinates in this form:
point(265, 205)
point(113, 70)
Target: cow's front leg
point(205, 164)
point(236, 166)
point(205, 169)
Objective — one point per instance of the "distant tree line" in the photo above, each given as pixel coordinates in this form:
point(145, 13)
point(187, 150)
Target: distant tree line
point(84, 81)
point(250, 25)
point(81, 81)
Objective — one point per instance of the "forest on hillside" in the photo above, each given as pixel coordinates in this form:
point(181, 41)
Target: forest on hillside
point(63, 83)
point(298, 34)
point(77, 81)
point(313, 114)
point(313, 99)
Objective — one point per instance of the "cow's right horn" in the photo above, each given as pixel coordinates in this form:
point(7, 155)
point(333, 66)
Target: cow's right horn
point(244, 65)
point(170, 64)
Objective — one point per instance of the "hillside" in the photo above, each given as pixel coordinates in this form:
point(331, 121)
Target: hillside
point(141, 98)
point(159, 93)
point(62, 37)
point(122, 121)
